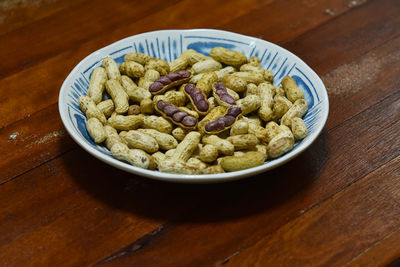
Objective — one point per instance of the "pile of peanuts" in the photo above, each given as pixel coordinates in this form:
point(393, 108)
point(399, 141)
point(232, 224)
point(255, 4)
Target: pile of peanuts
point(196, 115)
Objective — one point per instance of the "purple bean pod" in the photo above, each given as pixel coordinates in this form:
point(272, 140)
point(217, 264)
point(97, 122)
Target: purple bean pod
point(168, 81)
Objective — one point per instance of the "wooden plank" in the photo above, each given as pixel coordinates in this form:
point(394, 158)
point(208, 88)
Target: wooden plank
point(250, 209)
point(384, 252)
point(344, 93)
point(336, 231)
point(356, 37)
point(31, 142)
point(124, 18)
point(279, 22)
point(247, 211)
point(69, 28)
point(55, 69)
point(74, 204)
point(17, 14)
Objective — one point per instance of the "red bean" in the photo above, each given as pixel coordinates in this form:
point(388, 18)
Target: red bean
point(170, 110)
point(219, 86)
point(234, 111)
point(202, 106)
point(189, 121)
point(227, 98)
point(162, 104)
point(178, 116)
point(197, 97)
point(155, 87)
point(189, 88)
point(159, 84)
point(183, 74)
point(215, 126)
point(173, 76)
point(229, 120)
point(164, 80)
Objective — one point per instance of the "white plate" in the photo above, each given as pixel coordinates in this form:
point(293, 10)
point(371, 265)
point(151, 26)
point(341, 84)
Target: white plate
point(168, 45)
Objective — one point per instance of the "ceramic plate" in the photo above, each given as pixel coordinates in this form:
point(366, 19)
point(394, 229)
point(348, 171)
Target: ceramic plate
point(168, 45)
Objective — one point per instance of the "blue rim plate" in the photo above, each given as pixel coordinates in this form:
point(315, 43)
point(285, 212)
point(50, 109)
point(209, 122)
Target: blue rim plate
point(168, 45)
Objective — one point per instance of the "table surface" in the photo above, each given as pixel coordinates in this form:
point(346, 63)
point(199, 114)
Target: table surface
point(336, 204)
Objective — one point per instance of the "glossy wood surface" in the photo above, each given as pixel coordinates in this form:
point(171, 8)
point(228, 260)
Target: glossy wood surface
point(338, 204)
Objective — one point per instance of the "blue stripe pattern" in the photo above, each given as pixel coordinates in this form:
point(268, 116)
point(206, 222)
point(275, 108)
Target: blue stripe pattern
point(169, 48)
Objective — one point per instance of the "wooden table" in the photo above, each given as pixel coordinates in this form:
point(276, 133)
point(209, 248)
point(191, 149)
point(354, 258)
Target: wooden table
point(336, 204)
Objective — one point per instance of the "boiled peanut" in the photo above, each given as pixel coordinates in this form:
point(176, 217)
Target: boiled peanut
point(249, 104)
point(272, 129)
point(211, 116)
point(282, 143)
point(176, 115)
point(254, 61)
point(107, 107)
point(87, 105)
point(149, 77)
point(223, 146)
point(180, 63)
point(136, 157)
point(194, 56)
point(206, 81)
point(134, 110)
point(118, 95)
point(299, 128)
point(292, 91)
point(112, 137)
point(214, 169)
point(96, 130)
point(165, 141)
point(179, 133)
point(135, 93)
point(250, 77)
point(235, 83)
point(125, 123)
point(228, 57)
point(197, 163)
point(171, 166)
point(147, 106)
point(186, 147)
point(267, 92)
point(237, 163)
point(260, 132)
point(112, 69)
point(243, 141)
point(298, 109)
point(206, 66)
point(157, 64)
point(132, 69)
point(136, 139)
point(239, 127)
point(252, 89)
point(281, 106)
point(96, 85)
point(137, 57)
point(158, 123)
point(208, 153)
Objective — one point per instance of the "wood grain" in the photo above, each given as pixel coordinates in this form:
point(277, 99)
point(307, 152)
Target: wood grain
point(53, 68)
point(30, 134)
point(326, 235)
point(17, 14)
point(384, 252)
point(250, 210)
point(336, 204)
